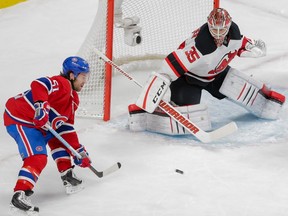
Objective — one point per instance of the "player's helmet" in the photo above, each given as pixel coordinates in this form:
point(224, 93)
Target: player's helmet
point(76, 65)
point(219, 22)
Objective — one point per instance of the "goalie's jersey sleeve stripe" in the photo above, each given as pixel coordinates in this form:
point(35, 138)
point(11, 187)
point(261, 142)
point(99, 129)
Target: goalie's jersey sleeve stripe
point(175, 64)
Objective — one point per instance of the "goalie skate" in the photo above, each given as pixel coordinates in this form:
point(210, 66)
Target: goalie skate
point(71, 182)
point(21, 205)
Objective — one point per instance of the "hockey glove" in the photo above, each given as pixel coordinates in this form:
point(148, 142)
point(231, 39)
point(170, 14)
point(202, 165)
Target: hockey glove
point(85, 160)
point(41, 116)
point(254, 48)
point(153, 91)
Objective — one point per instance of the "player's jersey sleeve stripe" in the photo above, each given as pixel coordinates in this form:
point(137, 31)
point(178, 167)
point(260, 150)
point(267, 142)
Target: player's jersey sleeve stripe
point(175, 64)
point(46, 82)
point(29, 99)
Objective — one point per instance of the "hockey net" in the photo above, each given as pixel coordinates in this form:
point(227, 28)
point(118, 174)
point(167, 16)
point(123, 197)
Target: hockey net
point(160, 24)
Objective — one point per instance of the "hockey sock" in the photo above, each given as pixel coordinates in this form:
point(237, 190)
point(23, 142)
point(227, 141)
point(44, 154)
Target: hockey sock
point(30, 171)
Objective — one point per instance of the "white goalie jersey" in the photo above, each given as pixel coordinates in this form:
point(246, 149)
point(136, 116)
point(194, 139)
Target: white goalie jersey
point(199, 56)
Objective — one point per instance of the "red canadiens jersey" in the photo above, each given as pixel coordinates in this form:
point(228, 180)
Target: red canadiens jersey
point(199, 56)
point(63, 100)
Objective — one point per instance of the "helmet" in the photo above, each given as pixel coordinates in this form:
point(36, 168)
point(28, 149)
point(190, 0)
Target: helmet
point(219, 22)
point(76, 65)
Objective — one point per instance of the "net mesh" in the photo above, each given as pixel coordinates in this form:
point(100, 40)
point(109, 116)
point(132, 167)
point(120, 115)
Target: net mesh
point(165, 24)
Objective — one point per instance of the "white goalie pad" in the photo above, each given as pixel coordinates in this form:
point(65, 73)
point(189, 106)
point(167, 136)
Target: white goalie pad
point(252, 95)
point(159, 122)
point(153, 91)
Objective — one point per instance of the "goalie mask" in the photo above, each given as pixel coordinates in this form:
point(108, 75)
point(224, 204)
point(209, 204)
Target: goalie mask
point(219, 22)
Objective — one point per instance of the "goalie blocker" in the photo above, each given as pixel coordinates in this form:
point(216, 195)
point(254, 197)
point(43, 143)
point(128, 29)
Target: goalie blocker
point(160, 122)
point(253, 95)
point(153, 92)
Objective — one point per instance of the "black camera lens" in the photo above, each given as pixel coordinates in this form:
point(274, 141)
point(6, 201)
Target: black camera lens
point(138, 38)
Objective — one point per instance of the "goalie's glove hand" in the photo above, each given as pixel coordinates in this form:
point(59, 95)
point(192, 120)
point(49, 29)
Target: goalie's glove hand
point(85, 160)
point(41, 116)
point(257, 48)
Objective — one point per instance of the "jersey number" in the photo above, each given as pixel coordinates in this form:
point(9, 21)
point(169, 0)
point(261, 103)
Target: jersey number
point(55, 86)
point(192, 54)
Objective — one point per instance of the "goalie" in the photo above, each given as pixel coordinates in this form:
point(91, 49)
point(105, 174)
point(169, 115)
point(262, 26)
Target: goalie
point(202, 62)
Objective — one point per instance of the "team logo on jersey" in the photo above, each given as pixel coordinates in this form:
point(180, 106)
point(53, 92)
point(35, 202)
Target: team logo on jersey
point(39, 148)
point(223, 62)
point(58, 121)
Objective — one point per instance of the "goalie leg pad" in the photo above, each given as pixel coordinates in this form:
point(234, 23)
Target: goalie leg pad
point(153, 92)
point(160, 122)
point(136, 118)
point(252, 95)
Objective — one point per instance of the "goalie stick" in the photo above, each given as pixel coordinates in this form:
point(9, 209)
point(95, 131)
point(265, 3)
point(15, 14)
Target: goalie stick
point(197, 132)
point(100, 174)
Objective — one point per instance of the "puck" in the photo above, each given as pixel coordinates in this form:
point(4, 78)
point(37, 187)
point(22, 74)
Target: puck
point(179, 171)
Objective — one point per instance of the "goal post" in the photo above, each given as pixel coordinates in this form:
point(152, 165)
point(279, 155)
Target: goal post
point(133, 30)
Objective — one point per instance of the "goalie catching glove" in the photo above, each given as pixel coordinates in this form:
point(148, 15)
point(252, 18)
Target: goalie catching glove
point(85, 160)
point(153, 92)
point(253, 48)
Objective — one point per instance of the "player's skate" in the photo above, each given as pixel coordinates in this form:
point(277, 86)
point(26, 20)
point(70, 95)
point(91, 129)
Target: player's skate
point(21, 205)
point(71, 182)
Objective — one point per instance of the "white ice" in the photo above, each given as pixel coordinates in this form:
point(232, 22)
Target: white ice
point(245, 174)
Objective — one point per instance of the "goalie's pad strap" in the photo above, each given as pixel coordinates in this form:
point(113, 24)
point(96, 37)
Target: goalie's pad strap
point(153, 91)
point(252, 94)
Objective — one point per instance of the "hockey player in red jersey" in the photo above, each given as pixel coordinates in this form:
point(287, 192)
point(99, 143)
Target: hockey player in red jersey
point(50, 100)
point(202, 63)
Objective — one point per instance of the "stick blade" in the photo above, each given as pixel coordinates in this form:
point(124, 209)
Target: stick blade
point(112, 169)
point(222, 132)
point(107, 171)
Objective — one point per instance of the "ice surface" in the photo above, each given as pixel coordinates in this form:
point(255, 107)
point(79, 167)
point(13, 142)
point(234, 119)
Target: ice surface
point(244, 174)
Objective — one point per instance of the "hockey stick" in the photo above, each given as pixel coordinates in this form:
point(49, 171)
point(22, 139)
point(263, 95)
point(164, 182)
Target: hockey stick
point(200, 134)
point(100, 174)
